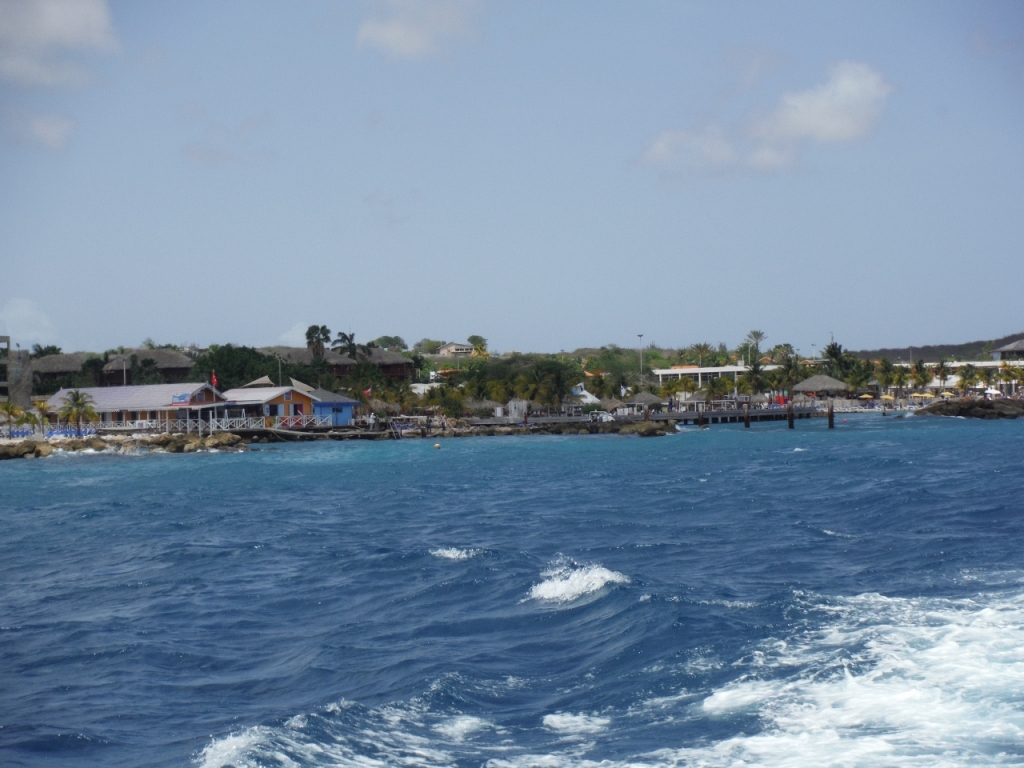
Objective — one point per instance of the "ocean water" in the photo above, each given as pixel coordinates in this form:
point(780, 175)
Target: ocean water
point(724, 597)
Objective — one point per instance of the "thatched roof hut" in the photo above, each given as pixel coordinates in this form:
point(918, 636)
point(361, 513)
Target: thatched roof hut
point(822, 383)
point(646, 399)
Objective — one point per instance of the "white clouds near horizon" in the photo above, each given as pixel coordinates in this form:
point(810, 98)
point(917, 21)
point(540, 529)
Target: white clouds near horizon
point(25, 323)
point(845, 108)
point(411, 29)
point(37, 36)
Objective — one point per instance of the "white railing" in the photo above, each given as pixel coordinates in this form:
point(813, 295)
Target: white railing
point(139, 424)
point(301, 422)
point(244, 422)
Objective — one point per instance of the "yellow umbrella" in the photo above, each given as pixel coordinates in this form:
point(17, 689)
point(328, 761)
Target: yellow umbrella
point(922, 394)
point(888, 397)
point(866, 397)
point(947, 393)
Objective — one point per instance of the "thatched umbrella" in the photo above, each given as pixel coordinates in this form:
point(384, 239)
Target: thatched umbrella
point(822, 383)
point(646, 399)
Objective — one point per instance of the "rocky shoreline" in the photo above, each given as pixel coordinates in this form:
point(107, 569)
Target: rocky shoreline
point(165, 443)
point(976, 408)
point(230, 442)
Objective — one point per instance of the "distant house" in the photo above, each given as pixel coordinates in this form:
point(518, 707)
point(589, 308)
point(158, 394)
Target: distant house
point(455, 349)
point(147, 402)
point(339, 408)
point(268, 402)
point(171, 364)
point(391, 364)
point(1014, 351)
point(53, 367)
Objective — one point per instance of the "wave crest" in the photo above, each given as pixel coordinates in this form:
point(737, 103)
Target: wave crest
point(567, 581)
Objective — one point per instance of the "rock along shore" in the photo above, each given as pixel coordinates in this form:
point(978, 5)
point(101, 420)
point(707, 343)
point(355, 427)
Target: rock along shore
point(976, 408)
point(229, 442)
point(166, 443)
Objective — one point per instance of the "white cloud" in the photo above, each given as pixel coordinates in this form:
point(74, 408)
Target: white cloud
point(25, 323)
point(845, 108)
point(37, 35)
point(50, 132)
point(294, 336)
point(412, 29)
point(702, 149)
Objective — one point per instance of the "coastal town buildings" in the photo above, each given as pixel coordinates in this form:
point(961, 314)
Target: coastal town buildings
point(156, 403)
point(1014, 351)
point(455, 349)
point(391, 364)
point(268, 401)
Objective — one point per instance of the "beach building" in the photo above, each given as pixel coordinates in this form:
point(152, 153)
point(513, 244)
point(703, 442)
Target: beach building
point(640, 403)
point(171, 364)
point(338, 408)
point(700, 374)
point(64, 365)
point(1013, 351)
point(455, 349)
point(144, 406)
point(269, 402)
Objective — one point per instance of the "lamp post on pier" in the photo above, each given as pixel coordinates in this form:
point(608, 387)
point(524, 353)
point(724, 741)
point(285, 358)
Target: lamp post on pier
point(640, 345)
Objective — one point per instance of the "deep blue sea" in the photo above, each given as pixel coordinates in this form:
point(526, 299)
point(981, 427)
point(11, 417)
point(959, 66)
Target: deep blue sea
point(724, 597)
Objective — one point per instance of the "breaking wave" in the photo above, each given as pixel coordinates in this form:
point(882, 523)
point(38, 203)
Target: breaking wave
point(566, 581)
point(453, 553)
point(868, 681)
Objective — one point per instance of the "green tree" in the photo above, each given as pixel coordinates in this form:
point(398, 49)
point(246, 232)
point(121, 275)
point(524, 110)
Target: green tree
point(717, 388)
point(967, 377)
point(788, 374)
point(884, 371)
point(900, 378)
point(77, 406)
point(920, 375)
point(236, 366)
point(942, 372)
point(755, 380)
point(391, 343)
point(144, 371)
point(317, 339)
point(12, 414)
point(427, 346)
point(41, 351)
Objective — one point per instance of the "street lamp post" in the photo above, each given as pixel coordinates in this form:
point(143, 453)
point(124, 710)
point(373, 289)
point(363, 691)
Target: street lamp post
point(640, 344)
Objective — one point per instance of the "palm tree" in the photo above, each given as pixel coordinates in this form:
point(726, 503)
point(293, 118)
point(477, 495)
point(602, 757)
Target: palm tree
point(41, 417)
point(703, 352)
point(754, 339)
point(986, 376)
point(78, 405)
point(942, 372)
point(345, 343)
point(921, 375)
point(317, 339)
point(884, 372)
point(12, 413)
point(1009, 374)
point(755, 380)
point(900, 377)
point(967, 377)
point(717, 388)
point(837, 365)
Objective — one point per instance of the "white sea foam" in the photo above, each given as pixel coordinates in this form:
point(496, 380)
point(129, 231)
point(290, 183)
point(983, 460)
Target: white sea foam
point(567, 581)
point(566, 722)
point(458, 728)
point(453, 553)
point(881, 682)
point(799, 450)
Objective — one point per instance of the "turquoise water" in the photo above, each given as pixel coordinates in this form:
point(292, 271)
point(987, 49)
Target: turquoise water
point(713, 598)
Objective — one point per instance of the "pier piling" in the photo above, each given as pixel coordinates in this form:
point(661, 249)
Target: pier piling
point(831, 416)
point(746, 415)
point(790, 416)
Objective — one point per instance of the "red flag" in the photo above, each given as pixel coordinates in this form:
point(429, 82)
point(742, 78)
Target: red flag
point(213, 379)
point(368, 392)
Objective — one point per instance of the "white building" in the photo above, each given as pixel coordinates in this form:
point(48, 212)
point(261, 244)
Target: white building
point(455, 349)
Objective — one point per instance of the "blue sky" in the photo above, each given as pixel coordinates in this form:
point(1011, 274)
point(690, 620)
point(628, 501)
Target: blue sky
point(547, 175)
